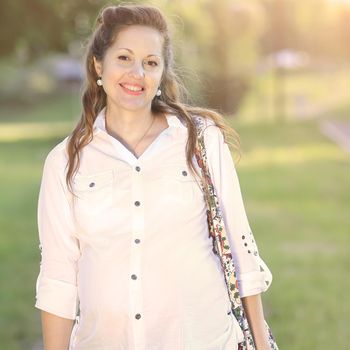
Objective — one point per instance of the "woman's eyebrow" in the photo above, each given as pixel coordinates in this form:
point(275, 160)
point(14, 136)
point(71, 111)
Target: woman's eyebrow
point(125, 48)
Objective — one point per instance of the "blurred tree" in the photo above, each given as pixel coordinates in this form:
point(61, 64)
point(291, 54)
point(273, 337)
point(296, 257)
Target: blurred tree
point(220, 41)
point(343, 32)
point(233, 52)
point(274, 38)
point(220, 46)
point(295, 25)
point(217, 40)
point(30, 25)
point(38, 26)
point(278, 36)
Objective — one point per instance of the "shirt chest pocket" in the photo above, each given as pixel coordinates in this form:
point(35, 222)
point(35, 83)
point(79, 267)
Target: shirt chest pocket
point(94, 192)
point(177, 183)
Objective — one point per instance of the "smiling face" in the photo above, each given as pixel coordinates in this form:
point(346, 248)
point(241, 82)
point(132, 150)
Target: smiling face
point(132, 68)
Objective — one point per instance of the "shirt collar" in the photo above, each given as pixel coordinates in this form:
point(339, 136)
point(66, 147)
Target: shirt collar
point(100, 121)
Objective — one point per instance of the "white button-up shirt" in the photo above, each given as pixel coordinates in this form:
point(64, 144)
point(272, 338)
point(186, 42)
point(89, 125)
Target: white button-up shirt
point(130, 259)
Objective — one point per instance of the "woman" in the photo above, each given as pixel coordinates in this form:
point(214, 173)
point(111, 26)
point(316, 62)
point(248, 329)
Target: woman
point(121, 215)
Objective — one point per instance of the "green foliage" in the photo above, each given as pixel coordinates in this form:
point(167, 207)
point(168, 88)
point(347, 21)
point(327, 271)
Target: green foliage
point(220, 48)
point(45, 25)
point(293, 24)
point(219, 45)
point(242, 26)
point(208, 43)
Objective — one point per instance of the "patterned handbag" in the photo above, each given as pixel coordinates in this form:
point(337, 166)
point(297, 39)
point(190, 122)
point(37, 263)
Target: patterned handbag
point(221, 244)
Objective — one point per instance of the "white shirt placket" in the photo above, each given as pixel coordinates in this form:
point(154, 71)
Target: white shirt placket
point(136, 302)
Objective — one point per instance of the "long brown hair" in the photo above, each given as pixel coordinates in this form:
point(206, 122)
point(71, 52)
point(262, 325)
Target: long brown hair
point(111, 20)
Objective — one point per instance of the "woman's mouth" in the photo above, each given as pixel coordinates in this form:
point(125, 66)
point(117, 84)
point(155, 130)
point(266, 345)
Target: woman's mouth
point(132, 89)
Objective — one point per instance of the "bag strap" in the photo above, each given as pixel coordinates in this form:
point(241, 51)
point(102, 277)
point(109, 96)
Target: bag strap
point(216, 223)
point(221, 246)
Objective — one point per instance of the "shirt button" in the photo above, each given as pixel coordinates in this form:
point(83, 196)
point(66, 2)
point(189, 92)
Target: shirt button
point(137, 203)
point(134, 277)
point(91, 184)
point(137, 240)
point(137, 168)
point(138, 316)
point(184, 173)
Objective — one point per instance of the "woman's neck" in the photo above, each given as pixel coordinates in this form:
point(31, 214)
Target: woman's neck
point(130, 124)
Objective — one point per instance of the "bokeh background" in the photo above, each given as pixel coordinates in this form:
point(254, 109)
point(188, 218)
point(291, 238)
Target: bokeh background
point(279, 70)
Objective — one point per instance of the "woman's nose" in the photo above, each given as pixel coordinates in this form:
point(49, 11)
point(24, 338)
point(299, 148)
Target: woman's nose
point(137, 70)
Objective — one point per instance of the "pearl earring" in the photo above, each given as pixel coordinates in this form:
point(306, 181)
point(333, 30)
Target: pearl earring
point(99, 82)
point(159, 92)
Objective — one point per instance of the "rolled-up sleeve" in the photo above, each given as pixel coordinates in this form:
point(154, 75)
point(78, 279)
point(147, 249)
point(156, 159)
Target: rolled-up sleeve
point(56, 286)
point(253, 274)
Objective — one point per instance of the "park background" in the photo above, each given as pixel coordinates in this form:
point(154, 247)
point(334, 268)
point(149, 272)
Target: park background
point(279, 70)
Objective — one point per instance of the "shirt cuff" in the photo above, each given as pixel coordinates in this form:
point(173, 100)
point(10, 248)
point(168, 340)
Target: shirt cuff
point(56, 297)
point(255, 282)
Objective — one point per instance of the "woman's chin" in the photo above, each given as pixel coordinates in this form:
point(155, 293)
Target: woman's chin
point(131, 105)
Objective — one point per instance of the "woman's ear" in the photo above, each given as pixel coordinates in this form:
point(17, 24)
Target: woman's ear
point(98, 66)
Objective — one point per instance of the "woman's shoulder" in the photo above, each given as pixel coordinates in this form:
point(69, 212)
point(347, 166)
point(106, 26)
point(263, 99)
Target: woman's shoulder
point(205, 120)
point(57, 155)
point(210, 129)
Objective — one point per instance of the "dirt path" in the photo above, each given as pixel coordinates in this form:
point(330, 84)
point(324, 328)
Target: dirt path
point(337, 131)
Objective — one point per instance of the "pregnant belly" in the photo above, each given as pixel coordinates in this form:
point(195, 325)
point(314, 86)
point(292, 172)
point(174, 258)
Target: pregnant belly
point(207, 304)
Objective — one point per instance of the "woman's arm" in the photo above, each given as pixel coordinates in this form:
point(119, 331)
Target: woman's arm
point(56, 331)
point(253, 275)
point(56, 286)
point(253, 308)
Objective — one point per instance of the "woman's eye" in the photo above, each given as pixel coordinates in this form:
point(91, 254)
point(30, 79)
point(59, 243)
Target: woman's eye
point(153, 63)
point(123, 58)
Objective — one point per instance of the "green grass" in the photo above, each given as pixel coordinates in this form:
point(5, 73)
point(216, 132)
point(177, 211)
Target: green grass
point(23, 160)
point(54, 109)
point(297, 196)
point(19, 253)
